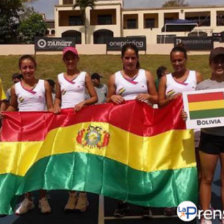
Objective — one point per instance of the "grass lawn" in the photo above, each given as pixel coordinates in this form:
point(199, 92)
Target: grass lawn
point(51, 65)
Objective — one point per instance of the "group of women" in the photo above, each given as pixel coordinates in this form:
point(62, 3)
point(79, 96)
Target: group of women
point(130, 83)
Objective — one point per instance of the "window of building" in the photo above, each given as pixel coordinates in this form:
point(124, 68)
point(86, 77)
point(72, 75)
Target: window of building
point(220, 18)
point(131, 23)
point(66, 2)
point(102, 36)
point(75, 21)
point(149, 23)
point(200, 20)
point(104, 19)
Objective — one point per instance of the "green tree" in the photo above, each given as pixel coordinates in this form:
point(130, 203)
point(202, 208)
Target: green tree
point(9, 20)
point(83, 4)
point(32, 27)
point(174, 3)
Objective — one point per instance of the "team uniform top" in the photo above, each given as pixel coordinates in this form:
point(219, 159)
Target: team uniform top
point(174, 87)
point(130, 88)
point(72, 92)
point(31, 100)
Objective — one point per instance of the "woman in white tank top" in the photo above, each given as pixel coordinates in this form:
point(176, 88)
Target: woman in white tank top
point(31, 94)
point(131, 82)
point(174, 84)
point(70, 93)
point(70, 85)
point(181, 80)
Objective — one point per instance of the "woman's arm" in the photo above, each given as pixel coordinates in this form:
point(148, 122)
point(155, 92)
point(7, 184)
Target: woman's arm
point(152, 95)
point(111, 94)
point(57, 102)
point(163, 100)
point(13, 100)
point(199, 77)
point(48, 96)
point(92, 93)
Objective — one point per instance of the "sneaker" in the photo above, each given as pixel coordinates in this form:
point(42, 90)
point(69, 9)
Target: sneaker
point(82, 202)
point(205, 221)
point(24, 206)
point(147, 213)
point(70, 205)
point(122, 210)
point(170, 211)
point(44, 206)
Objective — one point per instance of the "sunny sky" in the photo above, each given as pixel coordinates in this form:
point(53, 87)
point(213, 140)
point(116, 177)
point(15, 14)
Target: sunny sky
point(47, 6)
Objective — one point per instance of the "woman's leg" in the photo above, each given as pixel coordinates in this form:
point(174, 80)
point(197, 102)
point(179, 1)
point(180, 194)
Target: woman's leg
point(26, 205)
point(82, 202)
point(72, 199)
point(43, 202)
point(208, 164)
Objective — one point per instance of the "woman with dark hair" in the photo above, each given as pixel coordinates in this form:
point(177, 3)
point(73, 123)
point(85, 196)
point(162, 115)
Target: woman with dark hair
point(70, 93)
point(31, 94)
point(180, 80)
point(211, 147)
point(131, 83)
point(174, 84)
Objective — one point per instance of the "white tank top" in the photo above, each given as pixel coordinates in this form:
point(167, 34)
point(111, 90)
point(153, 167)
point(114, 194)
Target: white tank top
point(72, 92)
point(129, 89)
point(173, 87)
point(31, 100)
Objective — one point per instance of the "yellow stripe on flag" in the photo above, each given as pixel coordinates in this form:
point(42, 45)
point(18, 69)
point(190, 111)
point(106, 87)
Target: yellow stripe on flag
point(206, 105)
point(140, 153)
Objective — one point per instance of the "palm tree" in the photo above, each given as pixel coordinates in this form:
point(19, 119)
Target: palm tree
point(28, 1)
point(83, 4)
point(174, 3)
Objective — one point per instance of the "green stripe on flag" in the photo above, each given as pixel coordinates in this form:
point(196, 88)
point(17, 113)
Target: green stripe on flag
point(200, 114)
point(91, 173)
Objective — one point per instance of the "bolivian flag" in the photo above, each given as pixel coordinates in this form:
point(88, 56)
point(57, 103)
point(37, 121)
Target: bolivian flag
point(130, 152)
point(206, 105)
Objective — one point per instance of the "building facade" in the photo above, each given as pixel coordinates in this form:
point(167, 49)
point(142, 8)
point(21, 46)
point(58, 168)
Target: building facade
point(110, 19)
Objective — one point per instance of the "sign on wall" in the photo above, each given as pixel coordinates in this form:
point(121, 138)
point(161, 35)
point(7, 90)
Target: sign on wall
point(116, 43)
point(204, 108)
point(53, 44)
point(195, 43)
point(218, 36)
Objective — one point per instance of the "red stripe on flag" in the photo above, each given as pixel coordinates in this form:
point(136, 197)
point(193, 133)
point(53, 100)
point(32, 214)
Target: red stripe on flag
point(132, 116)
point(205, 97)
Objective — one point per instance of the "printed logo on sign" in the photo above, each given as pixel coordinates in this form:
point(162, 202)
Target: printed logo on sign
point(187, 211)
point(178, 41)
point(41, 43)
